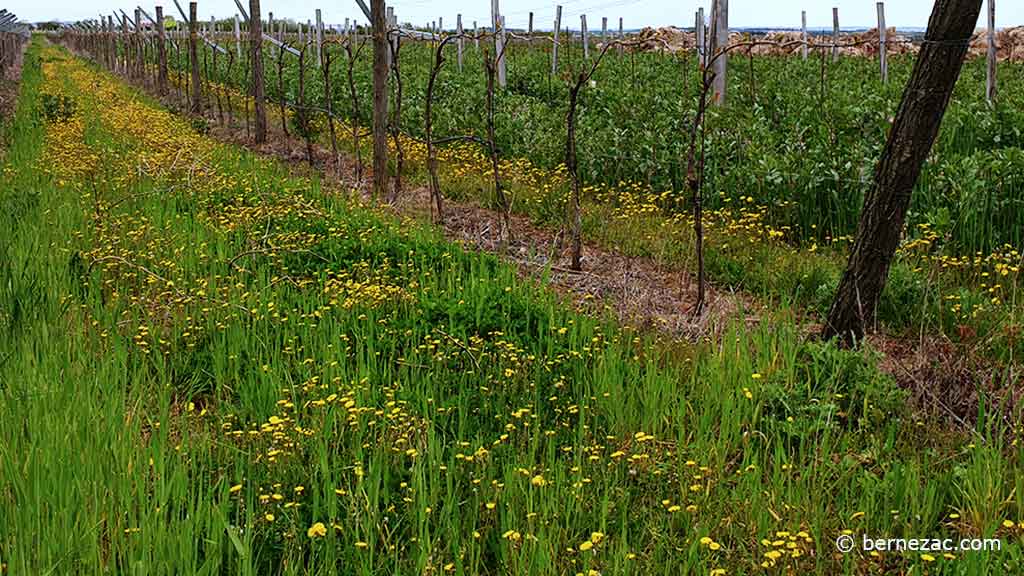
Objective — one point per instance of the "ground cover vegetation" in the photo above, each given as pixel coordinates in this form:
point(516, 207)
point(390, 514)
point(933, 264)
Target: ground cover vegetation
point(214, 366)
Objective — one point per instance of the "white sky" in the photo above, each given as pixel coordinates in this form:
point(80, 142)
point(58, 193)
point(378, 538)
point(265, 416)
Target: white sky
point(636, 13)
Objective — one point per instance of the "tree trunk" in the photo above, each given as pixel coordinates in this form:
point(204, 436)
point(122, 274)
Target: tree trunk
point(910, 140)
point(256, 61)
point(380, 99)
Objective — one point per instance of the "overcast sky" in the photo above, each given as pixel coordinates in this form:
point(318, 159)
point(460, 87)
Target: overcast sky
point(635, 13)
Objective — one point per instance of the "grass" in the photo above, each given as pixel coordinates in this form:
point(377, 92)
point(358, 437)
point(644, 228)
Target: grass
point(213, 367)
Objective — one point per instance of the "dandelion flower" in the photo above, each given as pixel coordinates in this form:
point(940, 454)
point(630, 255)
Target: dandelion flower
point(317, 530)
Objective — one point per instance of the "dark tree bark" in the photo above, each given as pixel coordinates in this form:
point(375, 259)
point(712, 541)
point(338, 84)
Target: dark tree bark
point(256, 62)
point(380, 99)
point(910, 141)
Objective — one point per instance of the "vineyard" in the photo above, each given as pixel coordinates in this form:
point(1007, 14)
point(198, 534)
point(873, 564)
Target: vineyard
point(239, 344)
point(787, 167)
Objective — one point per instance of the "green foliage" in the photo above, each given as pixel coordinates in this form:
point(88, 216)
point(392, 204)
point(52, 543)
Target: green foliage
point(803, 147)
point(56, 108)
point(200, 124)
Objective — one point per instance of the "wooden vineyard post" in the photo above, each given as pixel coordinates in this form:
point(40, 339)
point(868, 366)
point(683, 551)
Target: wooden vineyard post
point(125, 59)
point(554, 45)
point(380, 98)
point(499, 41)
point(229, 75)
point(103, 41)
point(604, 29)
point(193, 57)
point(303, 115)
point(622, 35)
point(586, 36)
point(179, 84)
point(835, 34)
point(476, 35)
point(256, 62)
point(319, 38)
point(719, 54)
point(701, 40)
point(388, 15)
point(803, 34)
point(111, 45)
point(529, 30)
point(326, 70)
point(212, 74)
point(990, 69)
point(140, 69)
point(161, 52)
point(119, 45)
point(458, 30)
point(883, 43)
point(238, 38)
